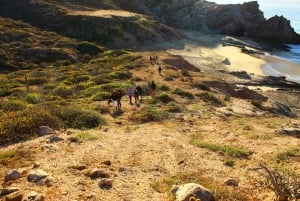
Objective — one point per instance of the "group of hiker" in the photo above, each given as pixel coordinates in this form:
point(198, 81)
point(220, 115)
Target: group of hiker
point(134, 94)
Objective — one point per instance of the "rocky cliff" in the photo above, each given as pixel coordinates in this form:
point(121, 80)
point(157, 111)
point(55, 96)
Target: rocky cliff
point(233, 19)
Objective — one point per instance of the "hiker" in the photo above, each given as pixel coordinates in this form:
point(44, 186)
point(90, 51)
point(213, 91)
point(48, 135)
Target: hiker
point(114, 100)
point(159, 70)
point(130, 94)
point(119, 97)
point(153, 87)
point(140, 90)
point(136, 96)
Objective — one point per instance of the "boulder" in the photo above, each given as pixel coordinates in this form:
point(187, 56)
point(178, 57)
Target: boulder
point(106, 183)
point(97, 173)
point(45, 130)
point(295, 132)
point(54, 138)
point(16, 196)
point(8, 190)
point(232, 182)
point(12, 175)
point(190, 191)
point(36, 176)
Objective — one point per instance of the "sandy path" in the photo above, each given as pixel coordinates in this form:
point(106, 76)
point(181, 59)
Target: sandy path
point(104, 13)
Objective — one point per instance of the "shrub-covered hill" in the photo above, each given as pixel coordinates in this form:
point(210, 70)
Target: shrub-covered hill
point(66, 19)
point(25, 47)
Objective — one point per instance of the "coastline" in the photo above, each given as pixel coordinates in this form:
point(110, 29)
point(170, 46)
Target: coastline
point(205, 49)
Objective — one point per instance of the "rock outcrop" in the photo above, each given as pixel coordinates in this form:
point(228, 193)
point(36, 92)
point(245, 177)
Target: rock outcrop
point(233, 19)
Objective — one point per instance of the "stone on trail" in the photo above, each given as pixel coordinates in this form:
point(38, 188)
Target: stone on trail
point(12, 175)
point(190, 191)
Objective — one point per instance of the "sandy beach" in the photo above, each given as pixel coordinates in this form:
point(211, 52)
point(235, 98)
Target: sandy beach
point(208, 50)
point(238, 61)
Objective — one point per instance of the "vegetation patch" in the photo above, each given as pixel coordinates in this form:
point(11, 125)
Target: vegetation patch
point(89, 48)
point(210, 98)
point(85, 136)
point(174, 107)
point(226, 150)
point(287, 155)
point(81, 119)
point(183, 93)
point(149, 114)
point(165, 98)
point(220, 192)
point(23, 125)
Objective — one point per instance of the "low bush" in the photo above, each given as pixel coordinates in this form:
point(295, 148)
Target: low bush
point(24, 125)
point(174, 108)
point(224, 149)
point(80, 119)
point(89, 48)
point(149, 114)
point(13, 105)
point(63, 91)
point(184, 94)
point(165, 98)
point(32, 98)
point(210, 98)
point(101, 96)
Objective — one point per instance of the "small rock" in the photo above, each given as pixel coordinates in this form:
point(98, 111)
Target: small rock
point(36, 165)
point(122, 169)
point(49, 147)
point(16, 196)
point(98, 173)
point(36, 176)
point(6, 191)
point(54, 138)
point(74, 139)
point(69, 132)
point(34, 196)
point(45, 130)
point(106, 183)
point(231, 182)
point(107, 162)
point(12, 175)
point(78, 167)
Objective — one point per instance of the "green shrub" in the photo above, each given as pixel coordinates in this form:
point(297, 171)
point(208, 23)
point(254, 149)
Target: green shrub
point(168, 78)
point(165, 98)
point(201, 87)
point(79, 78)
point(81, 119)
point(121, 75)
point(185, 72)
point(63, 91)
point(24, 125)
point(210, 98)
point(149, 114)
point(89, 48)
point(85, 136)
point(32, 98)
point(164, 88)
point(13, 105)
point(183, 93)
point(101, 96)
point(100, 79)
point(36, 81)
point(174, 108)
point(224, 149)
